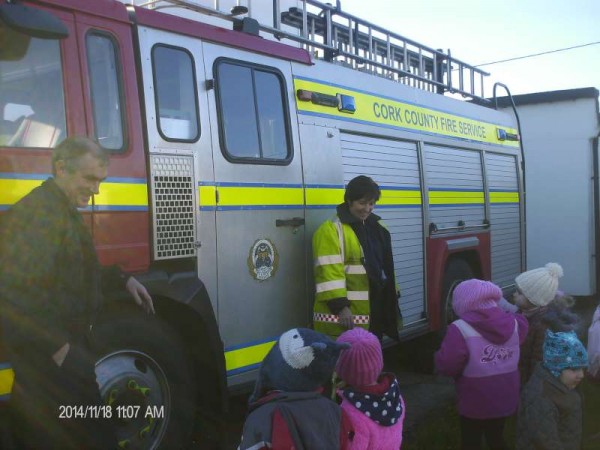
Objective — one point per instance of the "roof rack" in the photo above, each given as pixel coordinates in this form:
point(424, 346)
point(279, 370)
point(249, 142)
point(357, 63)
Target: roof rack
point(331, 34)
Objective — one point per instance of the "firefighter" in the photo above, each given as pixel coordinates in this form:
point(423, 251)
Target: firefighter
point(354, 267)
point(51, 287)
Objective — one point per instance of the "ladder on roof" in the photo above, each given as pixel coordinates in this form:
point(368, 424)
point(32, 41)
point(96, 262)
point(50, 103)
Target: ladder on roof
point(329, 33)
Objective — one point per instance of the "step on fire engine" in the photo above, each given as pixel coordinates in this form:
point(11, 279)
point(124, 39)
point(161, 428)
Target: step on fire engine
point(231, 140)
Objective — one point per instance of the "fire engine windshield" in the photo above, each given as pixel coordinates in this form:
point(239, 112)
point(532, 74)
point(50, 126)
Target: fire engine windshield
point(32, 109)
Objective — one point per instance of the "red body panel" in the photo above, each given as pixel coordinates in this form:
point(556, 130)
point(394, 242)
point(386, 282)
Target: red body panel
point(437, 257)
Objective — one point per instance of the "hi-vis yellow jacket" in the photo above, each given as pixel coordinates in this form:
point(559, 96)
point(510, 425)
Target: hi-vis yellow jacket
point(340, 274)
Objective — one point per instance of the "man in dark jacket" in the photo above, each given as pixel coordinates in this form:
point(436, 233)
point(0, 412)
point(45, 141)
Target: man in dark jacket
point(51, 287)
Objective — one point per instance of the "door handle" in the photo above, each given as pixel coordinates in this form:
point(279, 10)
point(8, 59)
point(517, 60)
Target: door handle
point(293, 222)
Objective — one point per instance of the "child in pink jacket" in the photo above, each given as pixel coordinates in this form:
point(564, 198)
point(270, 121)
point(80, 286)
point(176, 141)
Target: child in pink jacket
point(371, 399)
point(481, 352)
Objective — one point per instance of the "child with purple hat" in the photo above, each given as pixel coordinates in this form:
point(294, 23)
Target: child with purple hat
point(371, 399)
point(481, 352)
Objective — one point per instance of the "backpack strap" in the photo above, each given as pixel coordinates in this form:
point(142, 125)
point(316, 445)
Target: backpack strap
point(281, 437)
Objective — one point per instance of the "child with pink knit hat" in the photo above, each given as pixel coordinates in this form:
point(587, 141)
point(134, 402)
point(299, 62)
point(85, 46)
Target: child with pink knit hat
point(371, 399)
point(481, 352)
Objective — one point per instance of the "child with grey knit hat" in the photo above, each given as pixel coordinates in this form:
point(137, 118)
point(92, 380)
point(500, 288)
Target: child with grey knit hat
point(539, 300)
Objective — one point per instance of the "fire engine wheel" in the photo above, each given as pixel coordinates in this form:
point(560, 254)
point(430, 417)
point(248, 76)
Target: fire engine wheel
point(457, 270)
point(144, 377)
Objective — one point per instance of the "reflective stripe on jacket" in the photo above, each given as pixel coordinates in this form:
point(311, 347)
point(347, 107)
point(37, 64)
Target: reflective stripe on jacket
point(339, 273)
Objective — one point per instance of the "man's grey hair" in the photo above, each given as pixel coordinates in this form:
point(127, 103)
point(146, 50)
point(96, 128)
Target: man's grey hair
point(72, 149)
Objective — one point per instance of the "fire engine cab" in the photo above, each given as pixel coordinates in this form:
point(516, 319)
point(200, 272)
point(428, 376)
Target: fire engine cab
point(232, 135)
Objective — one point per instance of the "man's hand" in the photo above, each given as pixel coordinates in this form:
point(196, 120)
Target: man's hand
point(140, 295)
point(61, 354)
point(346, 319)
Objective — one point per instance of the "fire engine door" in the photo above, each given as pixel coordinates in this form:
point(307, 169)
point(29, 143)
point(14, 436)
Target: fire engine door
point(261, 241)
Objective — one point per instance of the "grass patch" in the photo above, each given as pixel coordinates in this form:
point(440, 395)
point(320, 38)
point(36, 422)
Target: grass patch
point(441, 431)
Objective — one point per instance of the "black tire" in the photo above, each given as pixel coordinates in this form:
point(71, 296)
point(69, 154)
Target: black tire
point(137, 352)
point(457, 270)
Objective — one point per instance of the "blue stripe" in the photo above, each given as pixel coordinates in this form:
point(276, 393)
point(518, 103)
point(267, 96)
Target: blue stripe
point(243, 369)
point(4, 398)
point(456, 189)
point(5, 365)
point(45, 176)
point(125, 180)
point(257, 207)
point(399, 188)
point(25, 176)
point(504, 190)
point(457, 205)
point(325, 186)
point(251, 343)
point(115, 208)
point(238, 184)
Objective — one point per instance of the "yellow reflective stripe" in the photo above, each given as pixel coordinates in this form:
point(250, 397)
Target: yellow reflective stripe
point(207, 195)
point(7, 378)
point(112, 193)
point(399, 197)
point(331, 285)
point(247, 356)
point(13, 190)
point(455, 197)
point(122, 194)
point(324, 196)
point(504, 197)
point(358, 295)
point(357, 269)
point(235, 195)
point(328, 259)
point(392, 113)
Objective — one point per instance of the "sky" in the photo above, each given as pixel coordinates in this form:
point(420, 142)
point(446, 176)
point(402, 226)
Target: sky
point(482, 31)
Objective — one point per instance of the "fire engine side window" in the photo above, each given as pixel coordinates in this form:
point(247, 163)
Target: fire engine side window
point(252, 109)
point(32, 105)
point(175, 93)
point(107, 103)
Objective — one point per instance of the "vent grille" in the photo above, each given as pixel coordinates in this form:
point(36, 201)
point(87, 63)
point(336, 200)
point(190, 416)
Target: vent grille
point(173, 205)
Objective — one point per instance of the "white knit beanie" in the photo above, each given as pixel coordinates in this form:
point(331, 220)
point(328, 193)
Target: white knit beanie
point(540, 285)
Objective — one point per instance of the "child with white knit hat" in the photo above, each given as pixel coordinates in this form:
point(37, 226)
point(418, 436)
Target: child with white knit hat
point(481, 352)
point(371, 399)
point(537, 296)
point(537, 287)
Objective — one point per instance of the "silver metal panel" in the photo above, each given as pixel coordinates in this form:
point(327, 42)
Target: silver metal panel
point(394, 165)
point(245, 217)
point(505, 219)
point(454, 170)
point(459, 244)
point(173, 206)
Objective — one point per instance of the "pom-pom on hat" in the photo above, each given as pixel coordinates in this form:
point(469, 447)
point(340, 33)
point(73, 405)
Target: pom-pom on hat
point(302, 360)
point(474, 294)
point(362, 363)
point(540, 285)
point(563, 350)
